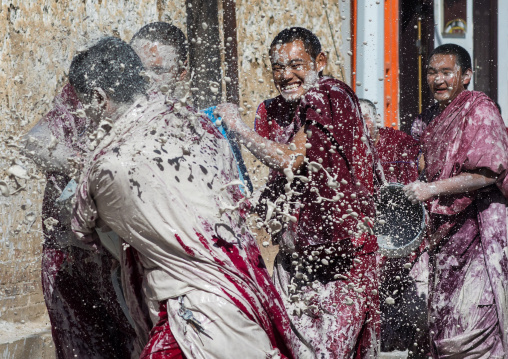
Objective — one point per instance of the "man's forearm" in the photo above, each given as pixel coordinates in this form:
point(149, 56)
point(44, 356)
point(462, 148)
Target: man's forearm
point(50, 159)
point(464, 182)
point(47, 151)
point(275, 155)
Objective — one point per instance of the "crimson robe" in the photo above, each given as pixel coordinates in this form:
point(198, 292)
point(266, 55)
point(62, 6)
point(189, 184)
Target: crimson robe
point(329, 277)
point(398, 153)
point(86, 318)
point(469, 267)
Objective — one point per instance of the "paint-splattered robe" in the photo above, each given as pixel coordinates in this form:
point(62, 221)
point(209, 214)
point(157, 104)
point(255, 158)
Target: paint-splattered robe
point(165, 180)
point(469, 268)
point(327, 274)
point(86, 318)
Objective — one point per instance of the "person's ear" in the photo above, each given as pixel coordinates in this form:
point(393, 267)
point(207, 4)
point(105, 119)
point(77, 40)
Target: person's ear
point(183, 70)
point(466, 78)
point(321, 61)
point(99, 98)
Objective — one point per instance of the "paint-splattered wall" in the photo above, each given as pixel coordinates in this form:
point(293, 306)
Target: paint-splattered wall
point(38, 39)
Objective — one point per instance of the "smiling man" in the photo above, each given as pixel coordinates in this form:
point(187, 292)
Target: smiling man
point(465, 147)
point(318, 199)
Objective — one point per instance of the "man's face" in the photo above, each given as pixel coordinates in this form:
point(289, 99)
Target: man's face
point(294, 71)
point(370, 119)
point(445, 78)
point(160, 62)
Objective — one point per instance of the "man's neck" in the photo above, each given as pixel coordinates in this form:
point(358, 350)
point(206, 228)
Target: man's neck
point(444, 104)
point(376, 138)
point(119, 109)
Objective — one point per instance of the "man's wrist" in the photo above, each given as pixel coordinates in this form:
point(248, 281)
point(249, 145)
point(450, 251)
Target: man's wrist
point(433, 190)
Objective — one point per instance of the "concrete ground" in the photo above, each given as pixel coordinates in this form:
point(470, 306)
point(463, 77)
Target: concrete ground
point(33, 341)
point(393, 355)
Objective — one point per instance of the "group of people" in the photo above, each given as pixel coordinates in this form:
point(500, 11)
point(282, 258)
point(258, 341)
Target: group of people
point(183, 276)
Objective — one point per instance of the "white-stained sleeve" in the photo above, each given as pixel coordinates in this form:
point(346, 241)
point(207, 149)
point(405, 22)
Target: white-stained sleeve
point(85, 213)
point(50, 153)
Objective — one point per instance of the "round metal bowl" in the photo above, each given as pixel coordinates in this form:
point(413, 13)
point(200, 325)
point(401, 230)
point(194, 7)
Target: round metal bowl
point(400, 225)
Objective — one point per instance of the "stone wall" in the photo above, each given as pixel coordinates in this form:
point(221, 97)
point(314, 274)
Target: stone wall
point(38, 39)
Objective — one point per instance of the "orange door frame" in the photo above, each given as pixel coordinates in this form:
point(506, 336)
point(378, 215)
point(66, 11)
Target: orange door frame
point(391, 81)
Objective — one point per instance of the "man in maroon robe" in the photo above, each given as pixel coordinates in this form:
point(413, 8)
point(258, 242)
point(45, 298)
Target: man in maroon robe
point(465, 148)
point(321, 202)
point(404, 322)
point(86, 318)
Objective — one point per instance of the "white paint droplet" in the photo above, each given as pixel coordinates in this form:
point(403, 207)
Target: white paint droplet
point(390, 301)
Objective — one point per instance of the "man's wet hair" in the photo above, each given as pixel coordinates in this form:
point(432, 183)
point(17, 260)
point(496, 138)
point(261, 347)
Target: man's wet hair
point(462, 57)
point(370, 104)
point(112, 65)
point(165, 34)
point(310, 41)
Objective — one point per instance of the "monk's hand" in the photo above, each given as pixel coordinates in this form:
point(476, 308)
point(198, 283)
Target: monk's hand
point(420, 191)
point(230, 116)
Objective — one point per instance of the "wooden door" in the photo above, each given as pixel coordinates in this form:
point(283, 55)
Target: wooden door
point(485, 47)
point(409, 50)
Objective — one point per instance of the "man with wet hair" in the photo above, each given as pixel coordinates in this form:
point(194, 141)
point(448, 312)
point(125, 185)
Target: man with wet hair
point(465, 148)
point(274, 116)
point(318, 200)
point(162, 48)
point(463, 61)
point(404, 322)
point(156, 44)
point(164, 179)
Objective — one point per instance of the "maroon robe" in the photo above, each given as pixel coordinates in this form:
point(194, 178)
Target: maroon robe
point(274, 120)
point(469, 267)
point(334, 199)
point(86, 318)
point(398, 153)
point(341, 145)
